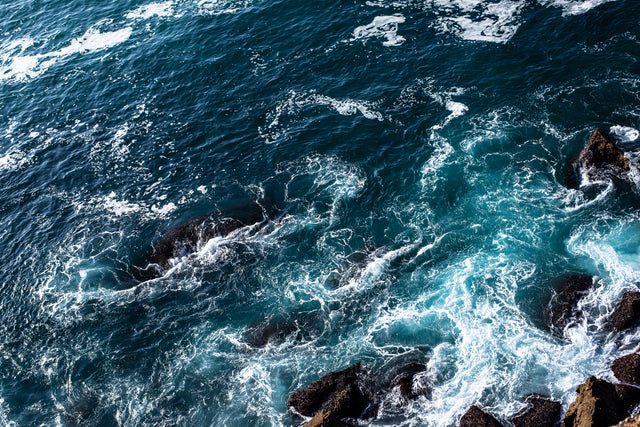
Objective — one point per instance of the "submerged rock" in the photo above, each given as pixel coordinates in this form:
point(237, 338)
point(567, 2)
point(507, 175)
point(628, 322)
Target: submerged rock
point(404, 379)
point(342, 394)
point(599, 153)
point(540, 412)
point(627, 368)
point(476, 417)
point(627, 312)
point(600, 403)
point(350, 268)
point(564, 305)
point(183, 239)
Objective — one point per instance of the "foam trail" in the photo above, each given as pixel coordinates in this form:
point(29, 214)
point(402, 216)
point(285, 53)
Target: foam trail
point(27, 67)
point(382, 27)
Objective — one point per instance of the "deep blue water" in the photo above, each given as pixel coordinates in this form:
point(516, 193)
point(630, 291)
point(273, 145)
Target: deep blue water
point(434, 133)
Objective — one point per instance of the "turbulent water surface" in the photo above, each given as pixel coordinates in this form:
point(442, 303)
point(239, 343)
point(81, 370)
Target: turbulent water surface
point(431, 136)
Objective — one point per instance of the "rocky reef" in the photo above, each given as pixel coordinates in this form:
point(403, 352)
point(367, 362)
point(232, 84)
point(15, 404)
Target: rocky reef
point(627, 312)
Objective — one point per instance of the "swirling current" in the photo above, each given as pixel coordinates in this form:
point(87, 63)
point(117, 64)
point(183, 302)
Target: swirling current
point(429, 136)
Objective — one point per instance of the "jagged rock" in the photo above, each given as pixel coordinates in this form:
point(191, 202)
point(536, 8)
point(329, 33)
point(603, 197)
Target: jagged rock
point(341, 394)
point(272, 332)
point(633, 421)
point(405, 380)
point(600, 403)
point(184, 238)
point(540, 412)
point(627, 312)
point(476, 417)
point(627, 368)
point(564, 305)
point(599, 153)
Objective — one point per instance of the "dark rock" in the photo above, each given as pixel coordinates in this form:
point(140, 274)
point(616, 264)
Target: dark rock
point(476, 417)
point(272, 332)
point(627, 312)
point(183, 239)
point(540, 412)
point(600, 403)
point(627, 368)
point(405, 380)
point(563, 306)
point(342, 394)
point(600, 152)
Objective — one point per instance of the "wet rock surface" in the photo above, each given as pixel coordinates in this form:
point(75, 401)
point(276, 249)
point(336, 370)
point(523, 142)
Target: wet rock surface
point(627, 313)
point(404, 379)
point(476, 417)
point(600, 403)
point(627, 368)
point(564, 305)
point(633, 421)
point(599, 153)
point(341, 394)
point(540, 412)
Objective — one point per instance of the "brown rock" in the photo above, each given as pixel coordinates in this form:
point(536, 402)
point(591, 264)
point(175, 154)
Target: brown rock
point(337, 393)
point(599, 152)
point(627, 312)
point(633, 421)
point(627, 368)
point(563, 307)
point(476, 417)
point(324, 418)
point(600, 403)
point(541, 412)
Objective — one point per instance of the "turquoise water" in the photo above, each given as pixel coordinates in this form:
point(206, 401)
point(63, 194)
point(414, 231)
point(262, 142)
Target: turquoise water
point(433, 136)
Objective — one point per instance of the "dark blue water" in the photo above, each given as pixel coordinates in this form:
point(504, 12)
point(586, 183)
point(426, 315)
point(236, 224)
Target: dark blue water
point(433, 136)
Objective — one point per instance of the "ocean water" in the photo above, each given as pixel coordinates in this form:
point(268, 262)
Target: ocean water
point(432, 136)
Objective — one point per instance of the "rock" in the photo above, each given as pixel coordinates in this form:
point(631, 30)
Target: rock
point(405, 380)
point(476, 417)
point(633, 421)
point(627, 312)
point(341, 394)
point(564, 310)
point(183, 239)
point(272, 332)
point(324, 418)
point(600, 152)
point(600, 403)
point(627, 368)
point(541, 412)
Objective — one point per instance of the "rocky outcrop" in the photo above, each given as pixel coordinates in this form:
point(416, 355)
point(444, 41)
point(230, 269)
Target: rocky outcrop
point(338, 395)
point(324, 418)
point(627, 368)
point(404, 379)
point(599, 153)
point(564, 304)
point(627, 312)
point(600, 403)
point(183, 239)
point(540, 412)
point(476, 417)
point(633, 421)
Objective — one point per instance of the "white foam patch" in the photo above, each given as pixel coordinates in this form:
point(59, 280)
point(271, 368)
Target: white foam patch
point(574, 7)
point(477, 20)
point(26, 67)
point(291, 106)
point(222, 7)
point(13, 160)
point(160, 9)
point(624, 133)
point(384, 27)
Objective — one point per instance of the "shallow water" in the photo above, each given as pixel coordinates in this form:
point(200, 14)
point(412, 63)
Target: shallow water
point(433, 136)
